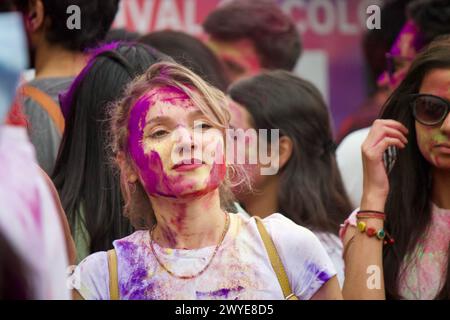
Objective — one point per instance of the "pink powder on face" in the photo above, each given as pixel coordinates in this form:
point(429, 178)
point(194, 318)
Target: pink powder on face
point(427, 139)
point(150, 166)
point(216, 175)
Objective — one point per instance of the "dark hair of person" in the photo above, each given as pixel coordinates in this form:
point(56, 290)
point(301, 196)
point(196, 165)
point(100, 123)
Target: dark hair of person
point(6, 5)
point(377, 42)
point(431, 16)
point(83, 174)
point(311, 192)
point(96, 18)
point(409, 211)
point(121, 35)
point(191, 53)
point(273, 33)
point(14, 274)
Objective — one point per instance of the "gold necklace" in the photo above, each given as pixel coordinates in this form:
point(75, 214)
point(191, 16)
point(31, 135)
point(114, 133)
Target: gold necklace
point(224, 232)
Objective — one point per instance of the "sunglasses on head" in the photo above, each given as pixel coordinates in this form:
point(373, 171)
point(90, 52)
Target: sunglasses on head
point(428, 109)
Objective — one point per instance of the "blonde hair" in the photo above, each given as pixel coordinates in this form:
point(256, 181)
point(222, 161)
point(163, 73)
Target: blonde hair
point(211, 101)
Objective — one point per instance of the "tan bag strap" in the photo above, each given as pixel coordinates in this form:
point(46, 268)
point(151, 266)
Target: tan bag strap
point(275, 261)
point(113, 277)
point(46, 103)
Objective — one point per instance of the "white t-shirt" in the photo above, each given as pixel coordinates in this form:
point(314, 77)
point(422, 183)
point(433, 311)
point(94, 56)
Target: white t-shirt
point(331, 243)
point(240, 270)
point(333, 247)
point(349, 160)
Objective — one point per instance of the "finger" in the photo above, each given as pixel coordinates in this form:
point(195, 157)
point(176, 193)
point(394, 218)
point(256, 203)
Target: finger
point(392, 124)
point(375, 153)
point(378, 133)
point(391, 133)
point(386, 143)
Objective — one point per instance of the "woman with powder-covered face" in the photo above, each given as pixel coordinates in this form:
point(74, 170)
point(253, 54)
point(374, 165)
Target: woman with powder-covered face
point(168, 140)
point(89, 190)
point(401, 233)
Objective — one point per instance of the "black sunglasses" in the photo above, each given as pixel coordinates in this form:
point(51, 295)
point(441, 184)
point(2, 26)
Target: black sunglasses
point(428, 109)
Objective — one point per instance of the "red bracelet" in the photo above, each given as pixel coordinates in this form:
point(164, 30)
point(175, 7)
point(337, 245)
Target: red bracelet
point(371, 211)
point(370, 214)
point(364, 215)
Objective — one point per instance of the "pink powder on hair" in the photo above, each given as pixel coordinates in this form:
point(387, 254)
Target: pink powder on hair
point(66, 98)
point(410, 29)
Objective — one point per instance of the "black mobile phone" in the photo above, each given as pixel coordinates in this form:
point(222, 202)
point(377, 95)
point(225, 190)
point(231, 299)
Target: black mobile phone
point(389, 158)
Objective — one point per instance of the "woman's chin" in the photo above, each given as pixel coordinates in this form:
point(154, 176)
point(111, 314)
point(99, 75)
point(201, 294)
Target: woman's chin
point(194, 191)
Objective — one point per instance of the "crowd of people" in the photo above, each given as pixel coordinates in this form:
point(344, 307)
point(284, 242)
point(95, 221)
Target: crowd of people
point(163, 166)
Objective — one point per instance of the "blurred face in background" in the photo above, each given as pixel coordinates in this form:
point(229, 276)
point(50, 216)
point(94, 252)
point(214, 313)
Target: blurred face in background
point(241, 119)
point(239, 57)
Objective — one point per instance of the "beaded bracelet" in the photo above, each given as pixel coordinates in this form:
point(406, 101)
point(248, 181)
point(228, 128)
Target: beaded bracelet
point(371, 232)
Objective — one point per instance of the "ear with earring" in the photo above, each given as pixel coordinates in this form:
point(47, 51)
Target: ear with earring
point(36, 15)
point(132, 179)
point(29, 20)
point(132, 186)
point(231, 171)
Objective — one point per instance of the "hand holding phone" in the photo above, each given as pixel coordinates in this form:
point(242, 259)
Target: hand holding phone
point(379, 153)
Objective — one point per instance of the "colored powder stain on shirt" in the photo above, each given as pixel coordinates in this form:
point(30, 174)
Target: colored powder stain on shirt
point(138, 275)
point(219, 294)
point(424, 276)
point(318, 272)
point(241, 269)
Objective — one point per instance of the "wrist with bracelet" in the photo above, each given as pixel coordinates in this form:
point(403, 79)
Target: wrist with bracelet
point(363, 227)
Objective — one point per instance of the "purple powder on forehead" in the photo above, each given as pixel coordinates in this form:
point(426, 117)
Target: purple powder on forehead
point(66, 98)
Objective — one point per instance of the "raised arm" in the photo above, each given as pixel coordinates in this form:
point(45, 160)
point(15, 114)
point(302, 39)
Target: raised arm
point(364, 254)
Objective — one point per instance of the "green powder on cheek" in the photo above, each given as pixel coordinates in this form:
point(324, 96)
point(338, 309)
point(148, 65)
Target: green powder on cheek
point(440, 138)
